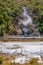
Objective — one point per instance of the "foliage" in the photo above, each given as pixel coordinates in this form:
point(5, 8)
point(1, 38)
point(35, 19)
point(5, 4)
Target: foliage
point(36, 8)
point(10, 9)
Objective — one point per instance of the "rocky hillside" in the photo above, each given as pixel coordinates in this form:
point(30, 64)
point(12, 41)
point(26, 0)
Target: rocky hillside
point(10, 10)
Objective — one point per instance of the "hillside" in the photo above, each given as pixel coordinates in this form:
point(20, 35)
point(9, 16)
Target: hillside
point(11, 9)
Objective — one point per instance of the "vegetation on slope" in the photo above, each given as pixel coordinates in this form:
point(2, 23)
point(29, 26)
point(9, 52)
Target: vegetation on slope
point(10, 9)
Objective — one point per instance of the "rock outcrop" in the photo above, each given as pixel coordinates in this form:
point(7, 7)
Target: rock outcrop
point(25, 25)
